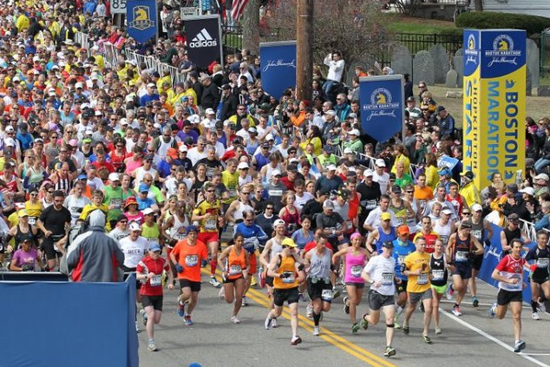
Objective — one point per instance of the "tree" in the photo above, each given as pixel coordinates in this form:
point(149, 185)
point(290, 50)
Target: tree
point(478, 5)
point(251, 26)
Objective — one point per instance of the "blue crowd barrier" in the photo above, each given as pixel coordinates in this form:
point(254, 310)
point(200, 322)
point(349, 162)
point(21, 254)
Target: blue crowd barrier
point(65, 324)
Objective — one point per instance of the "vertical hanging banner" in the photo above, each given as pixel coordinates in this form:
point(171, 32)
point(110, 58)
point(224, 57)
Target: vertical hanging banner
point(142, 19)
point(204, 43)
point(278, 66)
point(494, 103)
point(382, 106)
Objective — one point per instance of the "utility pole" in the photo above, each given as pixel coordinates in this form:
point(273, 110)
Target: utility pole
point(304, 49)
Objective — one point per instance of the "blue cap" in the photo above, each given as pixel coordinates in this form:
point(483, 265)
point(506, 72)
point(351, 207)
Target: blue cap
point(143, 188)
point(83, 177)
point(445, 171)
point(192, 228)
point(153, 246)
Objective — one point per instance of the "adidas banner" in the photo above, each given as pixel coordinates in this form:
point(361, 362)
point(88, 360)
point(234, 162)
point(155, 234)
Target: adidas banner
point(278, 65)
point(204, 43)
point(142, 19)
point(382, 109)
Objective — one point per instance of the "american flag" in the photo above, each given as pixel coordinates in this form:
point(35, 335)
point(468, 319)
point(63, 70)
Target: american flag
point(238, 8)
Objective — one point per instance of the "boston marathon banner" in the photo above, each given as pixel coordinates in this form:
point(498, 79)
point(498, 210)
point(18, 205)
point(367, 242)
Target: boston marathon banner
point(278, 66)
point(494, 103)
point(204, 43)
point(142, 19)
point(382, 107)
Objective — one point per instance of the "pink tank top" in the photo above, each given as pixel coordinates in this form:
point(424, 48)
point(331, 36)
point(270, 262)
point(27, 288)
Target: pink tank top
point(354, 267)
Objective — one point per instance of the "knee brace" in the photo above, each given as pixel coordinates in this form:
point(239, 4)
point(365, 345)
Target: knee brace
point(390, 325)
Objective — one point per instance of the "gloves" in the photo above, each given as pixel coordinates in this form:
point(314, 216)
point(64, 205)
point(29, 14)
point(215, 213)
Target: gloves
point(286, 275)
point(301, 267)
point(203, 263)
point(179, 268)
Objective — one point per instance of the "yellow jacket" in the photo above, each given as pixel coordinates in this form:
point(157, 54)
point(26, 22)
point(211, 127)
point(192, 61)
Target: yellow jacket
point(22, 23)
point(471, 194)
point(90, 208)
point(406, 162)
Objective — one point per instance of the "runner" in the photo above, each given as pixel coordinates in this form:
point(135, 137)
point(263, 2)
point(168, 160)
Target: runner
point(380, 273)
point(439, 275)
point(286, 277)
point(417, 269)
point(509, 273)
point(355, 260)
point(209, 213)
point(187, 257)
point(234, 262)
point(380, 235)
point(539, 275)
point(461, 250)
point(150, 271)
point(319, 286)
point(483, 231)
point(402, 247)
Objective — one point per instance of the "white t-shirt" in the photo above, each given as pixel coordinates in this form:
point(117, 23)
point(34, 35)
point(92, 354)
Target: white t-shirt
point(301, 201)
point(373, 218)
point(381, 269)
point(194, 155)
point(133, 250)
point(383, 180)
point(141, 172)
point(75, 206)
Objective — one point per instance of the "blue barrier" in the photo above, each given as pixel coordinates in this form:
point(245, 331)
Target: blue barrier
point(61, 324)
point(492, 257)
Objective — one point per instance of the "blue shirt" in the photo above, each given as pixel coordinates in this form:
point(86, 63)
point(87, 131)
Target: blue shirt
point(144, 204)
point(399, 253)
point(301, 240)
point(251, 233)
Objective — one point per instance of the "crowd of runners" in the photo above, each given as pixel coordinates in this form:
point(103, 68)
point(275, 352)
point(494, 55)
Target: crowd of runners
point(214, 175)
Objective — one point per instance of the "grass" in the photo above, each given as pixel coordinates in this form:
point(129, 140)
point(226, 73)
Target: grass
point(404, 24)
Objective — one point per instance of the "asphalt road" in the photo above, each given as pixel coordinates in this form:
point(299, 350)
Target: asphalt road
point(474, 339)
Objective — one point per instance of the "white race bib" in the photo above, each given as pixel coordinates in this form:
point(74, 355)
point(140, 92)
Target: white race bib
point(235, 269)
point(542, 262)
point(290, 279)
point(32, 221)
point(326, 295)
point(422, 279)
point(156, 281)
point(387, 279)
point(461, 256)
point(356, 270)
point(191, 260)
point(211, 224)
point(438, 274)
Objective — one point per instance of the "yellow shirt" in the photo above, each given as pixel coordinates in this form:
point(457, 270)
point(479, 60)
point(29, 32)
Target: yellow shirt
point(406, 163)
point(231, 182)
point(88, 208)
point(34, 210)
point(317, 146)
point(413, 262)
point(288, 265)
point(209, 224)
point(432, 177)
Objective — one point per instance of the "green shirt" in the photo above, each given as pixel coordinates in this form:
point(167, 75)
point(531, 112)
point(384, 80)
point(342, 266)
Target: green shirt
point(113, 197)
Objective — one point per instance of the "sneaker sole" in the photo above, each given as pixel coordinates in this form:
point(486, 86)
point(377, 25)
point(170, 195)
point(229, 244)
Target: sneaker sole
point(521, 347)
point(390, 354)
point(296, 342)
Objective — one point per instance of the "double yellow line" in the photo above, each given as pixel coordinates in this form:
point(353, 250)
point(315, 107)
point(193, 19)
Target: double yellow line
point(360, 353)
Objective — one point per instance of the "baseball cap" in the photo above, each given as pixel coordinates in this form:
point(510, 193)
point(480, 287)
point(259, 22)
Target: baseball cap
point(396, 189)
point(348, 151)
point(134, 226)
point(143, 188)
point(354, 132)
point(514, 218)
point(22, 213)
point(512, 187)
point(172, 153)
point(330, 112)
point(151, 85)
point(288, 242)
point(327, 148)
point(387, 244)
point(269, 137)
point(209, 111)
point(153, 246)
point(183, 148)
point(447, 211)
point(279, 222)
point(528, 190)
point(385, 216)
point(403, 229)
point(542, 176)
point(445, 172)
point(243, 165)
point(148, 211)
point(114, 177)
point(276, 172)
point(468, 174)
point(466, 224)
point(369, 173)
point(191, 228)
point(328, 204)
point(331, 167)
point(477, 208)
point(380, 162)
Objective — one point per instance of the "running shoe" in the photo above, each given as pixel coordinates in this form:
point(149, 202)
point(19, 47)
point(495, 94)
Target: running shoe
point(437, 331)
point(187, 320)
point(316, 330)
point(519, 346)
point(449, 293)
point(427, 339)
point(274, 323)
point(492, 310)
point(389, 352)
point(267, 323)
point(475, 302)
point(335, 293)
point(215, 282)
point(253, 281)
point(535, 316)
point(295, 340)
point(245, 301)
point(221, 293)
point(541, 307)
point(364, 322)
point(406, 330)
point(355, 328)
point(346, 305)
point(235, 320)
point(456, 310)
point(181, 309)
point(302, 297)
point(309, 311)
point(151, 347)
point(144, 315)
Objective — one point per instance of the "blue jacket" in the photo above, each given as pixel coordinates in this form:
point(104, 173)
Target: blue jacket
point(253, 235)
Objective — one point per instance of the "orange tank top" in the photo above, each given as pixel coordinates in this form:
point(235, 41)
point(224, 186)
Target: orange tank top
point(236, 263)
point(288, 265)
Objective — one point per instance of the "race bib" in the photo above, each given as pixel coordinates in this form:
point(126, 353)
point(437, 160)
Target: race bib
point(422, 279)
point(387, 279)
point(461, 256)
point(515, 287)
point(232, 193)
point(542, 262)
point(275, 193)
point(32, 221)
point(180, 234)
point(211, 224)
point(156, 281)
point(438, 274)
point(235, 269)
point(326, 295)
point(290, 279)
point(477, 234)
point(356, 270)
point(370, 204)
point(117, 203)
point(191, 260)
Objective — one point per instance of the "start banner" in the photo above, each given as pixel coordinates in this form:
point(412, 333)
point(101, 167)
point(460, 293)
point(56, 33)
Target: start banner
point(494, 103)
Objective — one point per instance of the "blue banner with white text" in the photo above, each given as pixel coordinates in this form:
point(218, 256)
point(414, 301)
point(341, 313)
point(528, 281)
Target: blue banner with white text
point(278, 65)
point(142, 19)
point(382, 108)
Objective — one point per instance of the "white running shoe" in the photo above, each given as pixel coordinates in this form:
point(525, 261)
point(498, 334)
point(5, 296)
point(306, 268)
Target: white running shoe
point(519, 346)
point(151, 347)
point(235, 320)
point(267, 323)
point(535, 316)
point(245, 302)
point(221, 293)
point(215, 282)
point(274, 324)
point(316, 330)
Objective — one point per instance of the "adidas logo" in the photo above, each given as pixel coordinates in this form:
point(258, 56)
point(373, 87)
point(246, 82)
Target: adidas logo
point(203, 39)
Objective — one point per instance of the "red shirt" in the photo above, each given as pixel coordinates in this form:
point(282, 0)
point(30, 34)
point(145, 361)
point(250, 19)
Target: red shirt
point(105, 164)
point(153, 286)
point(288, 184)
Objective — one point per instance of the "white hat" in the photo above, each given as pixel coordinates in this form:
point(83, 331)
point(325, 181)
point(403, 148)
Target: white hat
point(114, 177)
point(541, 176)
point(276, 172)
point(16, 79)
point(369, 173)
point(134, 226)
point(78, 85)
point(354, 132)
point(447, 211)
point(251, 130)
point(194, 119)
point(89, 132)
point(123, 121)
point(477, 208)
point(528, 190)
point(147, 211)
point(98, 113)
point(151, 85)
point(10, 129)
point(380, 162)
point(243, 165)
point(269, 137)
point(35, 72)
point(183, 148)
point(209, 111)
point(330, 112)
point(279, 222)
point(55, 67)
point(348, 151)
point(95, 48)
point(331, 167)
point(9, 142)
point(156, 125)
point(328, 204)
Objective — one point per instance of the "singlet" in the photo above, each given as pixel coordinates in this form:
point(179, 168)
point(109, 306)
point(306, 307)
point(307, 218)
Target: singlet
point(511, 268)
point(20, 235)
point(269, 171)
point(478, 230)
point(113, 197)
point(241, 208)
point(197, 186)
point(354, 267)
point(235, 263)
point(462, 248)
point(443, 231)
point(287, 265)
point(290, 218)
point(276, 248)
point(540, 269)
point(510, 235)
point(383, 237)
point(151, 234)
point(63, 184)
point(163, 147)
point(35, 176)
point(177, 232)
point(209, 224)
point(400, 212)
point(439, 270)
point(152, 286)
point(320, 265)
point(399, 253)
point(456, 203)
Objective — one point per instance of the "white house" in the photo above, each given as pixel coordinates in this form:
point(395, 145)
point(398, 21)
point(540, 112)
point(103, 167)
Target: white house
point(532, 7)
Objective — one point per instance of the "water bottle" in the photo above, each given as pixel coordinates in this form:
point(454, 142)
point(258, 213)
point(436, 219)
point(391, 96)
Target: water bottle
point(518, 177)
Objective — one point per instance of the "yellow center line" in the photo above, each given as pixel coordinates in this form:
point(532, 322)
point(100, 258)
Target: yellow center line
point(327, 335)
